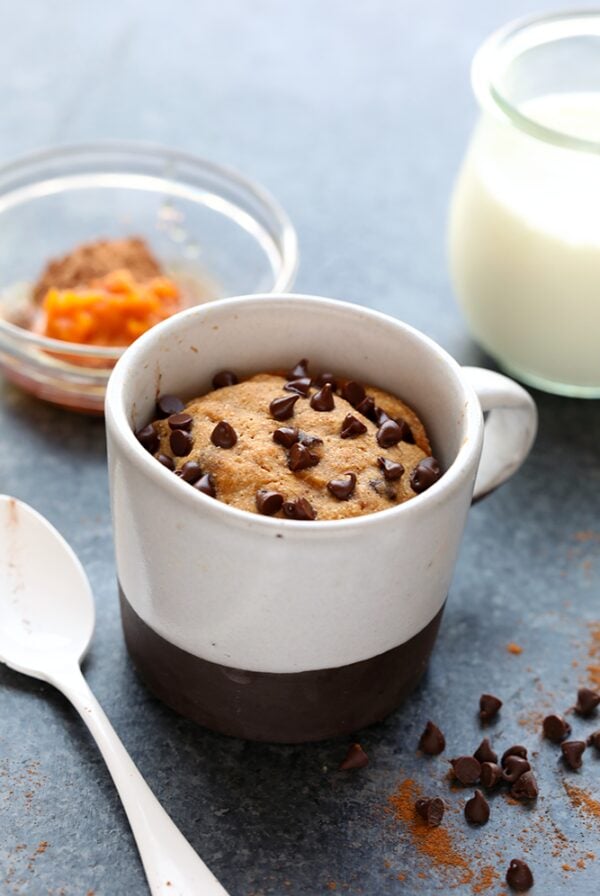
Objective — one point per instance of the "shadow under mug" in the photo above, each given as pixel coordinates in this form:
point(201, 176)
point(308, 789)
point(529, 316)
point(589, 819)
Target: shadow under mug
point(281, 630)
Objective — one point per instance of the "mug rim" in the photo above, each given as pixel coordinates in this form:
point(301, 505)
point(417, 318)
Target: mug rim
point(117, 423)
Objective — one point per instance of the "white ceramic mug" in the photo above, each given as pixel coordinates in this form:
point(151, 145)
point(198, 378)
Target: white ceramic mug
point(286, 630)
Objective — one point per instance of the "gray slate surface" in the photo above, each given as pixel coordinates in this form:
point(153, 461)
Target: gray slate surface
point(356, 116)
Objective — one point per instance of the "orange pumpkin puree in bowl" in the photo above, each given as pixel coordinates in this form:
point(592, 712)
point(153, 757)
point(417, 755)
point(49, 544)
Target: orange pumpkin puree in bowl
point(104, 293)
point(113, 310)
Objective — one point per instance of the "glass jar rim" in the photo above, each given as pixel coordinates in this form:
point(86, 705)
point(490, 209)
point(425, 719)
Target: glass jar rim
point(508, 42)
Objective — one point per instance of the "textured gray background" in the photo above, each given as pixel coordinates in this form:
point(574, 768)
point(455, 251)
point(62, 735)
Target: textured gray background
point(356, 116)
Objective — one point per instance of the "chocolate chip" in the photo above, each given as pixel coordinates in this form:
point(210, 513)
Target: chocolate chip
point(300, 387)
point(355, 758)
point(206, 485)
point(525, 787)
point(391, 470)
point(556, 728)
point(491, 774)
point(407, 433)
point(515, 750)
point(572, 751)
point(484, 752)
point(224, 378)
point(148, 438)
point(367, 408)
point(421, 806)
point(190, 471)
point(477, 809)
point(323, 378)
point(323, 399)
point(388, 434)
point(309, 441)
point(432, 741)
point(223, 435)
point(181, 442)
point(342, 489)
point(268, 502)
point(466, 769)
point(300, 458)
point(425, 474)
point(300, 509)
point(353, 392)
point(594, 740)
point(431, 810)
point(381, 416)
point(166, 461)
point(383, 489)
point(286, 436)
point(587, 701)
point(168, 404)
point(514, 767)
point(488, 707)
point(283, 408)
point(180, 421)
point(519, 876)
point(405, 429)
point(352, 427)
point(299, 371)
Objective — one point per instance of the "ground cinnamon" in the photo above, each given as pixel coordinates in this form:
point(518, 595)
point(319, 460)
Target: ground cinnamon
point(488, 876)
point(92, 261)
point(434, 843)
point(593, 668)
point(586, 804)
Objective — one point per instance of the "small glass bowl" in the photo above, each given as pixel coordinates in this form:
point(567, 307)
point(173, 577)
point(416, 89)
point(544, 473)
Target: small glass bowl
point(216, 233)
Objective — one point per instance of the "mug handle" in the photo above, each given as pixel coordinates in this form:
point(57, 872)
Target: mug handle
point(510, 427)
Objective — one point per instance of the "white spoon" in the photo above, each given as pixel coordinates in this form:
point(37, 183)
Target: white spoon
point(46, 625)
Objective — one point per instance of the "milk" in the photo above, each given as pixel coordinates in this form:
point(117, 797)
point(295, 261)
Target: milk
point(525, 244)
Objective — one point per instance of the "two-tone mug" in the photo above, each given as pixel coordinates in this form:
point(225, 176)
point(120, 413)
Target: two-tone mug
point(283, 630)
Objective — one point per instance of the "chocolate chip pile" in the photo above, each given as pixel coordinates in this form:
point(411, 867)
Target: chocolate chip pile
point(342, 449)
point(557, 729)
point(513, 770)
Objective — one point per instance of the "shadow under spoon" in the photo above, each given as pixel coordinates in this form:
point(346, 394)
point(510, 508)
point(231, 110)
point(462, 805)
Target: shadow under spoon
point(46, 625)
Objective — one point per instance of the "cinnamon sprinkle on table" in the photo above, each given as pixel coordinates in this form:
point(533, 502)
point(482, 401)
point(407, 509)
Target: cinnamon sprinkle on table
point(586, 804)
point(434, 843)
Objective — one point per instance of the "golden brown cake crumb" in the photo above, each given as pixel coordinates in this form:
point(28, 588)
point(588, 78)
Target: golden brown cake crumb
point(246, 464)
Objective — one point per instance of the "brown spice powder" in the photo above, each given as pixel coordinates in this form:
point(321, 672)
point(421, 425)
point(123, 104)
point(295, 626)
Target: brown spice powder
point(586, 535)
point(434, 843)
point(487, 878)
point(582, 800)
point(593, 668)
point(92, 261)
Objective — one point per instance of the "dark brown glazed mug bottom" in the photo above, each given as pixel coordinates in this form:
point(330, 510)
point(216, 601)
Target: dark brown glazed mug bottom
point(277, 707)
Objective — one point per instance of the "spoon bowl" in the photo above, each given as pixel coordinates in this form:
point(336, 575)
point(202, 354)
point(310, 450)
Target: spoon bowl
point(46, 604)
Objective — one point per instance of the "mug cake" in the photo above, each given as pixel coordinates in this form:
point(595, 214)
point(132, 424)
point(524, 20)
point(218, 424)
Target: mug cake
point(293, 445)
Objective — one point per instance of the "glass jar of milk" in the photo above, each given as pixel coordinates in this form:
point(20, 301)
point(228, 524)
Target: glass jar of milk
point(525, 215)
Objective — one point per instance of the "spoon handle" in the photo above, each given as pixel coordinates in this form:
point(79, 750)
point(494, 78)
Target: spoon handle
point(172, 867)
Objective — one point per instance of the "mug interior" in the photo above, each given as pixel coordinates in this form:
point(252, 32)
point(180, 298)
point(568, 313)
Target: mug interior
point(255, 334)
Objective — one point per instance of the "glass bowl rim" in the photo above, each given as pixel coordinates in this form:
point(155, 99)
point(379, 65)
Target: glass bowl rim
point(483, 73)
point(287, 242)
